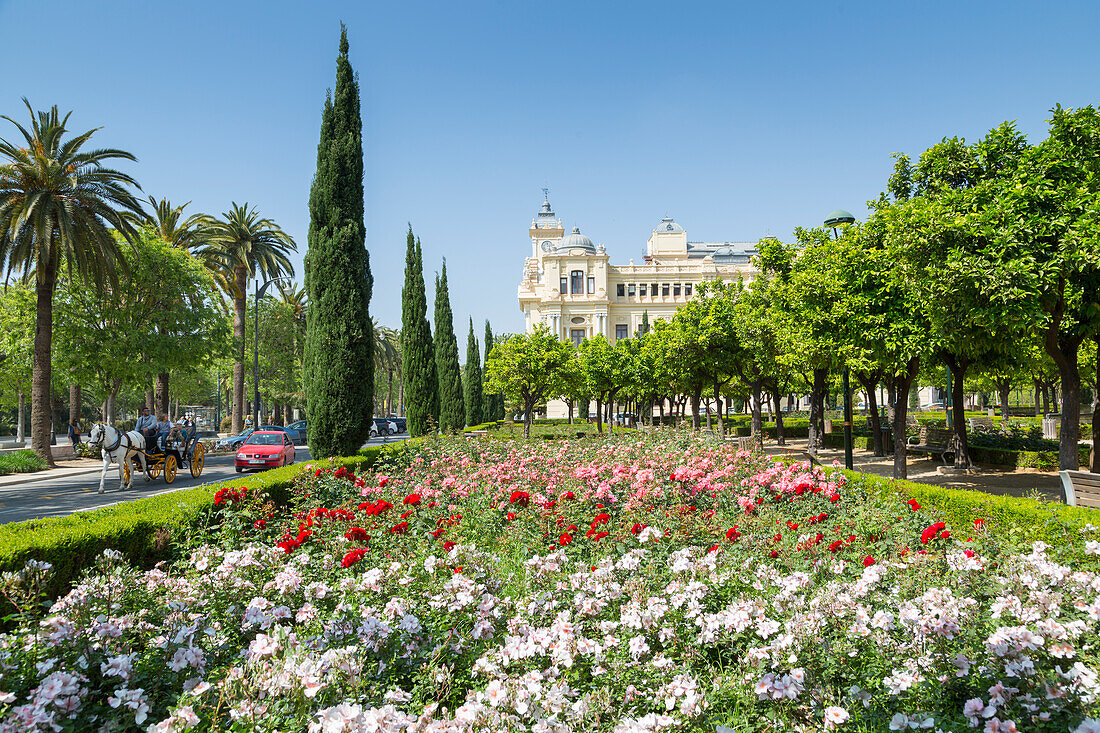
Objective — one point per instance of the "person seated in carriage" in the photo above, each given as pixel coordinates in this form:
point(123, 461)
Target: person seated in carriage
point(163, 429)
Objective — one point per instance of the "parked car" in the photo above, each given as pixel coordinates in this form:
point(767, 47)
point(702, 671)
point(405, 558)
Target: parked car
point(297, 431)
point(402, 426)
point(265, 449)
point(233, 442)
point(382, 426)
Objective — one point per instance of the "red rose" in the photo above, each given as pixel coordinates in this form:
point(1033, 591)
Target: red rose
point(402, 528)
point(438, 532)
point(565, 539)
point(834, 547)
point(732, 534)
point(352, 557)
point(868, 561)
point(357, 534)
point(511, 516)
point(448, 546)
point(773, 554)
point(383, 480)
point(568, 495)
point(834, 498)
point(520, 498)
point(913, 504)
point(713, 548)
point(637, 528)
point(259, 524)
point(412, 500)
point(968, 553)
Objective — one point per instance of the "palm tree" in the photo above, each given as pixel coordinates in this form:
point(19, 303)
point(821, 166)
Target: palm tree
point(387, 357)
point(58, 206)
point(189, 234)
point(294, 298)
point(240, 246)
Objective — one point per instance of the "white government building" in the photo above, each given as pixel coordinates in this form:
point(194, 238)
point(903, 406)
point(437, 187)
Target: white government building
point(570, 284)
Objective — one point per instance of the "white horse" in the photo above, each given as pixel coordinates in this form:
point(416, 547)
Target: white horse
point(118, 447)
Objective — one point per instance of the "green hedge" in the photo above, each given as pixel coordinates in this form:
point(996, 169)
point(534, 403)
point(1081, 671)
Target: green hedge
point(142, 530)
point(1018, 519)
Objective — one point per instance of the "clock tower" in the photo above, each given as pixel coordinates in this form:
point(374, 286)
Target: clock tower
point(546, 230)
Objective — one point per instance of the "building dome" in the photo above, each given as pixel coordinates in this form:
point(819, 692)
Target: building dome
point(576, 240)
point(668, 226)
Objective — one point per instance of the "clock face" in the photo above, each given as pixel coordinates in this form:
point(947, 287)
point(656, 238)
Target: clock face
point(547, 246)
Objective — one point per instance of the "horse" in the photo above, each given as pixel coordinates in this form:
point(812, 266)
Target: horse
point(118, 447)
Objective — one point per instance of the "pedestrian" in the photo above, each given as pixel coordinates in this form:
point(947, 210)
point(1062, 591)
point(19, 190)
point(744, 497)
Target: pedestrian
point(74, 431)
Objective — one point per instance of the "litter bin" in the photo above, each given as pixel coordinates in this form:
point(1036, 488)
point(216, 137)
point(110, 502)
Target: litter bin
point(1050, 428)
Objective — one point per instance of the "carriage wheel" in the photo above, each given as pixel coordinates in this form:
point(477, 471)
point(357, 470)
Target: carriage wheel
point(125, 468)
point(169, 468)
point(152, 468)
point(197, 460)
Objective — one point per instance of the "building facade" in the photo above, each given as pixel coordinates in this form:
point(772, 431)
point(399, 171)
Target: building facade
point(570, 285)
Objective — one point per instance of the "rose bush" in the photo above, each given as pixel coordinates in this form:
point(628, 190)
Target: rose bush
point(626, 584)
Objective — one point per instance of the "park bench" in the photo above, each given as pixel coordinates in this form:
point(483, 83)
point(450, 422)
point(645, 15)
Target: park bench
point(1081, 488)
point(749, 443)
point(934, 441)
point(985, 422)
point(476, 433)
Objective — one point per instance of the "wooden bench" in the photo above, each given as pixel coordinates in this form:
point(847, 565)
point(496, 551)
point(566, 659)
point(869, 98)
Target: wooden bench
point(476, 433)
point(934, 441)
point(982, 421)
point(749, 443)
point(1080, 488)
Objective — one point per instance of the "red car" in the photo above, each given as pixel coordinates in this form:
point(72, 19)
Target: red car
point(265, 449)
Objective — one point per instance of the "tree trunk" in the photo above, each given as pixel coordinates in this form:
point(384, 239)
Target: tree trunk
point(817, 410)
point(599, 414)
point(757, 409)
point(780, 438)
point(1004, 388)
point(718, 405)
point(890, 399)
point(958, 369)
point(1037, 398)
point(160, 401)
point(239, 312)
point(1094, 455)
point(696, 396)
point(569, 404)
point(41, 373)
point(902, 385)
point(528, 415)
point(21, 418)
point(74, 402)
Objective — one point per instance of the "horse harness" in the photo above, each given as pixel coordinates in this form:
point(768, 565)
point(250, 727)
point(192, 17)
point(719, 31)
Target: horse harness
point(118, 441)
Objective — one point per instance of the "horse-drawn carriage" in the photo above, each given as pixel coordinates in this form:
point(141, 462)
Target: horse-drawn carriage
point(180, 449)
point(167, 454)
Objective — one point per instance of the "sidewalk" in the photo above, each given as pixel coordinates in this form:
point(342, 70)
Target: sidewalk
point(922, 469)
point(70, 467)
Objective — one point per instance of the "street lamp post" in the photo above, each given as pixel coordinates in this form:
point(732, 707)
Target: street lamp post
point(838, 218)
point(260, 289)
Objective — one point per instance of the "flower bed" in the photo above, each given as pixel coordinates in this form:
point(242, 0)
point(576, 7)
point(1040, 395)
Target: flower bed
point(630, 584)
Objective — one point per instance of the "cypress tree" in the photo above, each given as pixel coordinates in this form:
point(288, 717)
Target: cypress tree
point(452, 410)
point(417, 354)
point(645, 324)
point(338, 368)
point(494, 403)
point(471, 381)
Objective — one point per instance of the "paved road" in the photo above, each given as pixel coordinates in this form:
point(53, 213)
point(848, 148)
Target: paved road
point(67, 494)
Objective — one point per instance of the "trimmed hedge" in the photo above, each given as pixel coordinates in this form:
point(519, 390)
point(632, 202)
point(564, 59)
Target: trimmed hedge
point(142, 530)
point(1018, 519)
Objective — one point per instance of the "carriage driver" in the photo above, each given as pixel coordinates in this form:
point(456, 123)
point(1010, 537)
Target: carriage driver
point(146, 425)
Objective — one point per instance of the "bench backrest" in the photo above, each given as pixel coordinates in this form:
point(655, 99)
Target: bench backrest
point(936, 436)
point(1081, 488)
point(984, 421)
point(911, 421)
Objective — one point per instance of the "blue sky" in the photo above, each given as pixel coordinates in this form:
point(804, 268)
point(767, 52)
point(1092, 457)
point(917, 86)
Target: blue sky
point(739, 119)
